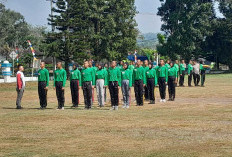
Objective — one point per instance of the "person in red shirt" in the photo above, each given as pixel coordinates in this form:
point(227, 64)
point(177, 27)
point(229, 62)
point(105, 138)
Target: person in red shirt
point(20, 86)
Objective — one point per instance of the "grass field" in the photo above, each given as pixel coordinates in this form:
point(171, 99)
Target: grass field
point(198, 123)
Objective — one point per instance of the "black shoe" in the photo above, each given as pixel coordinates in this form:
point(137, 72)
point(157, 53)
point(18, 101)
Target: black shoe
point(170, 99)
point(152, 102)
point(19, 107)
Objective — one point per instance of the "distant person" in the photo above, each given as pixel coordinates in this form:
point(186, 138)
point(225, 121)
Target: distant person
point(43, 83)
point(196, 73)
point(172, 79)
point(114, 78)
point(139, 82)
point(146, 68)
point(168, 64)
point(126, 77)
point(60, 77)
point(182, 73)
point(203, 70)
point(75, 78)
point(94, 70)
point(151, 82)
point(106, 67)
point(176, 65)
point(21, 84)
point(101, 83)
point(87, 84)
point(190, 73)
point(162, 80)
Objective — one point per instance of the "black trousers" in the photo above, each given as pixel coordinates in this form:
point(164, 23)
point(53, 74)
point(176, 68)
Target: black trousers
point(146, 95)
point(113, 87)
point(202, 77)
point(138, 87)
point(162, 87)
point(151, 88)
point(171, 87)
point(181, 82)
point(190, 76)
point(60, 94)
point(196, 78)
point(74, 86)
point(42, 93)
point(87, 92)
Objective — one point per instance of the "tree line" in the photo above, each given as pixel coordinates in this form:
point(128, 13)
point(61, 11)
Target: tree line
point(193, 30)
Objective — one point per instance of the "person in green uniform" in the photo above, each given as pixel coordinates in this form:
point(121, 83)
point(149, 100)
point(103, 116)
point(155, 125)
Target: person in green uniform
point(139, 82)
point(146, 68)
point(106, 67)
point(60, 77)
point(172, 79)
point(87, 83)
point(101, 83)
point(168, 64)
point(75, 77)
point(114, 78)
point(176, 65)
point(203, 70)
point(94, 70)
point(126, 77)
point(190, 73)
point(131, 66)
point(162, 80)
point(43, 83)
point(182, 73)
point(151, 82)
point(120, 66)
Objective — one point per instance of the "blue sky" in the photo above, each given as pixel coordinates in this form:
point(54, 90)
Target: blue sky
point(36, 12)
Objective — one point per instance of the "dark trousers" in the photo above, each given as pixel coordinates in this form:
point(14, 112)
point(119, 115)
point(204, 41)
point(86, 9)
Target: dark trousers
point(202, 77)
point(190, 76)
point(181, 82)
point(151, 88)
point(171, 87)
point(74, 86)
point(60, 94)
point(113, 87)
point(42, 93)
point(87, 91)
point(196, 78)
point(146, 95)
point(162, 87)
point(138, 87)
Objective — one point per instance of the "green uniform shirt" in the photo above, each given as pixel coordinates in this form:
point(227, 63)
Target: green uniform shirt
point(75, 75)
point(168, 66)
point(172, 72)
point(120, 67)
point(87, 75)
point(43, 75)
point(182, 68)
point(114, 74)
point(190, 68)
point(201, 67)
point(127, 75)
point(151, 73)
point(102, 74)
point(163, 72)
point(60, 76)
point(176, 66)
point(131, 67)
point(139, 74)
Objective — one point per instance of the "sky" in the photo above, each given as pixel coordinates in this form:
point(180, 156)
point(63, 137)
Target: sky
point(36, 13)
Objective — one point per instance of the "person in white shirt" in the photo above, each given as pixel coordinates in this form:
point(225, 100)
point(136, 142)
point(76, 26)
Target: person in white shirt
point(20, 86)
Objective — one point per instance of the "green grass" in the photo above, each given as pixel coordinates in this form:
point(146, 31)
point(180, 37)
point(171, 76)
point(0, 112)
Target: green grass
point(198, 123)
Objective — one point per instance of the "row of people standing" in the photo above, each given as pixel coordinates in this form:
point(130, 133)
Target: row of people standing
point(124, 76)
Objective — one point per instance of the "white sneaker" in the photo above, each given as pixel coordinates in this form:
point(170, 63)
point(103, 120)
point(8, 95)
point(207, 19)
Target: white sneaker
point(62, 108)
point(112, 108)
point(164, 100)
point(116, 108)
point(161, 100)
point(127, 106)
point(124, 106)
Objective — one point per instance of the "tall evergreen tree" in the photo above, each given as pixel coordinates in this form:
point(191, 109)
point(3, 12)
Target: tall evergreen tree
point(186, 23)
